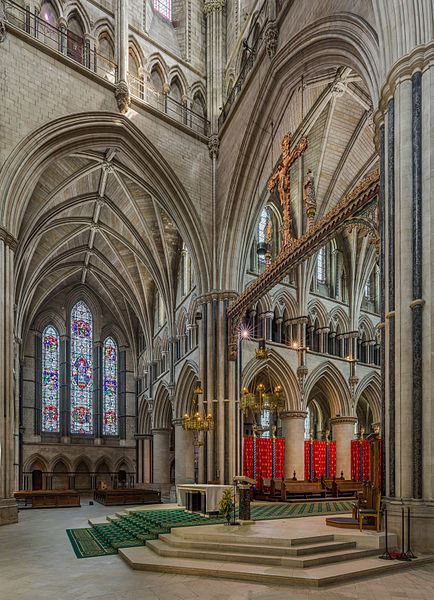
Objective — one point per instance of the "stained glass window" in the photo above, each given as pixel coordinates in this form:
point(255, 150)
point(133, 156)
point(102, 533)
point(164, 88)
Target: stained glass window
point(81, 369)
point(110, 387)
point(320, 266)
point(163, 7)
point(50, 380)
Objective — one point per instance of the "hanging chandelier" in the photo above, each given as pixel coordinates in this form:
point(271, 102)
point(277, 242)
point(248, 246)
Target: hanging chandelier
point(257, 398)
point(197, 424)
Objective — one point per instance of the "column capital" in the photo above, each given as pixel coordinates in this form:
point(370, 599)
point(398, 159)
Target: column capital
point(293, 414)
point(211, 6)
point(8, 239)
point(343, 420)
point(177, 422)
point(160, 430)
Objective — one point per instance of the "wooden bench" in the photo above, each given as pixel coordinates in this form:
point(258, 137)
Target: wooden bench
point(112, 497)
point(302, 489)
point(48, 498)
point(346, 487)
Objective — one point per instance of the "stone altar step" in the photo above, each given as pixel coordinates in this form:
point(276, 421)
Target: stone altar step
point(221, 552)
point(143, 558)
point(246, 548)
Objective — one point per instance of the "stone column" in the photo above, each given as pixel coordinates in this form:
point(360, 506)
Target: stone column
point(161, 439)
point(8, 508)
point(343, 433)
point(293, 432)
point(184, 454)
point(122, 92)
point(214, 11)
point(404, 123)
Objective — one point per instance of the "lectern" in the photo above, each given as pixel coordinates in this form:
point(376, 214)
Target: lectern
point(244, 484)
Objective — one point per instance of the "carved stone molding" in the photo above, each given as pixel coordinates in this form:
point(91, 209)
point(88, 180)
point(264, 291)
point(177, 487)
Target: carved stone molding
point(122, 95)
point(212, 6)
point(293, 414)
point(271, 38)
point(343, 420)
point(8, 239)
point(214, 146)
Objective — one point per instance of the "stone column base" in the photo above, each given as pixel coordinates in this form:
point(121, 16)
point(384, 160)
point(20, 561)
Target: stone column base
point(8, 511)
point(421, 523)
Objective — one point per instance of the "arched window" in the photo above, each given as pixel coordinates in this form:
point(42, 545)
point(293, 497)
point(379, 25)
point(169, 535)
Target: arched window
point(368, 290)
point(321, 266)
point(307, 422)
point(50, 380)
point(110, 388)
point(264, 224)
point(164, 8)
point(81, 369)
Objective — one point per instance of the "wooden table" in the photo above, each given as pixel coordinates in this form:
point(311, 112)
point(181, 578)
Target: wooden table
point(112, 497)
point(48, 498)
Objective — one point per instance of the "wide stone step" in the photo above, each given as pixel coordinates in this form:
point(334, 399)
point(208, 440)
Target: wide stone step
point(191, 533)
point(143, 558)
point(263, 558)
point(269, 550)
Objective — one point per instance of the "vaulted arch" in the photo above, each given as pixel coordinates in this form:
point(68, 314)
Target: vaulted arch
point(328, 377)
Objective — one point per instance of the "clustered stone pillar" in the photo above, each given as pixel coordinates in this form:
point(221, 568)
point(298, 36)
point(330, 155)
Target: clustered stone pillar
point(214, 11)
point(184, 454)
point(161, 440)
point(293, 432)
point(343, 433)
point(8, 509)
point(122, 92)
point(404, 123)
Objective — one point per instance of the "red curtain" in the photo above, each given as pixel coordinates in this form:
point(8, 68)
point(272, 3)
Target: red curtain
point(264, 457)
point(356, 455)
point(319, 459)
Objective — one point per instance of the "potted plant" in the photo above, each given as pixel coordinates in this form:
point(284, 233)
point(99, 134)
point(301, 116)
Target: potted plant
point(226, 504)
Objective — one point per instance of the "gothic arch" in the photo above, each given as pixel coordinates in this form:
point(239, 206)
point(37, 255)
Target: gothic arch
point(280, 374)
point(85, 460)
point(124, 461)
point(163, 410)
point(339, 318)
point(76, 10)
point(370, 386)
point(50, 317)
point(328, 376)
point(35, 458)
point(317, 311)
point(282, 300)
point(60, 458)
point(145, 420)
point(365, 324)
point(101, 460)
point(184, 389)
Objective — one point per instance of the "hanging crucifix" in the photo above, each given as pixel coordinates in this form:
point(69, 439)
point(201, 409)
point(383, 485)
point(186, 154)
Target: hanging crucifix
point(282, 178)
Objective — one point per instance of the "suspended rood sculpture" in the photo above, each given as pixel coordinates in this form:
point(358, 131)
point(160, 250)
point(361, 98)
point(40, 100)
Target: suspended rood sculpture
point(197, 424)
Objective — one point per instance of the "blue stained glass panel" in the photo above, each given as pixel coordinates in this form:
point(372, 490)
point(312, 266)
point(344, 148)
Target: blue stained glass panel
point(81, 369)
point(110, 387)
point(50, 380)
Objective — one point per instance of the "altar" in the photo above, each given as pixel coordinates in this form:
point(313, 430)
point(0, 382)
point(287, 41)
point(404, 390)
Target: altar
point(198, 497)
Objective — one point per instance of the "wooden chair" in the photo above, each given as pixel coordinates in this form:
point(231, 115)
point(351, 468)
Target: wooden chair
point(373, 513)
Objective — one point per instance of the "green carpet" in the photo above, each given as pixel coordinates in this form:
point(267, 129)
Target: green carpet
point(300, 509)
point(135, 528)
point(87, 543)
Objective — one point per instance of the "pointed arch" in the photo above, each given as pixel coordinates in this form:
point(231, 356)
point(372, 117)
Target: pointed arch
point(370, 387)
point(339, 317)
point(280, 374)
point(75, 10)
point(47, 317)
point(184, 389)
point(366, 325)
point(81, 362)
point(328, 376)
point(32, 459)
point(317, 311)
point(162, 413)
point(145, 420)
point(282, 300)
point(60, 458)
point(177, 74)
point(50, 380)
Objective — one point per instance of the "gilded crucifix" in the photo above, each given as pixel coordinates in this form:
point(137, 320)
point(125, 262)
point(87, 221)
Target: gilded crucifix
point(282, 178)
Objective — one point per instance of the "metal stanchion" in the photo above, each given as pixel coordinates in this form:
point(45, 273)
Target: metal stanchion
point(402, 555)
point(409, 554)
point(386, 554)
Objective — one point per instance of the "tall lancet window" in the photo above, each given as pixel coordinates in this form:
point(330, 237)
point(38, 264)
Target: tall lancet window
point(110, 387)
point(81, 369)
point(321, 266)
point(164, 8)
point(264, 228)
point(50, 380)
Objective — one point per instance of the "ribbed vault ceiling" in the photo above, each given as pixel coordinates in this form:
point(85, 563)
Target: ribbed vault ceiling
point(91, 220)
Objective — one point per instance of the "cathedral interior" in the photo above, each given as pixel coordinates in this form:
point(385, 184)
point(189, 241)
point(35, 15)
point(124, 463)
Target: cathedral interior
point(216, 261)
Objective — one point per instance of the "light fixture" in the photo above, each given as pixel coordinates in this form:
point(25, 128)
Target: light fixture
point(197, 424)
point(258, 398)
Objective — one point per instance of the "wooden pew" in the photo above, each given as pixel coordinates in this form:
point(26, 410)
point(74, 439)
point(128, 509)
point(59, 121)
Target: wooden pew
point(346, 487)
point(303, 489)
point(118, 496)
point(48, 498)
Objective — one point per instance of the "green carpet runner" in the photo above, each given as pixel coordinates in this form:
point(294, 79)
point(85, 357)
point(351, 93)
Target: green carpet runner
point(136, 527)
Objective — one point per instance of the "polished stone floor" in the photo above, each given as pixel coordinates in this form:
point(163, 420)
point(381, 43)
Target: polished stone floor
point(37, 563)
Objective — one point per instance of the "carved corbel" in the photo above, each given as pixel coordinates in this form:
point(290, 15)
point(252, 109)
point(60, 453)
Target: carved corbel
point(271, 38)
